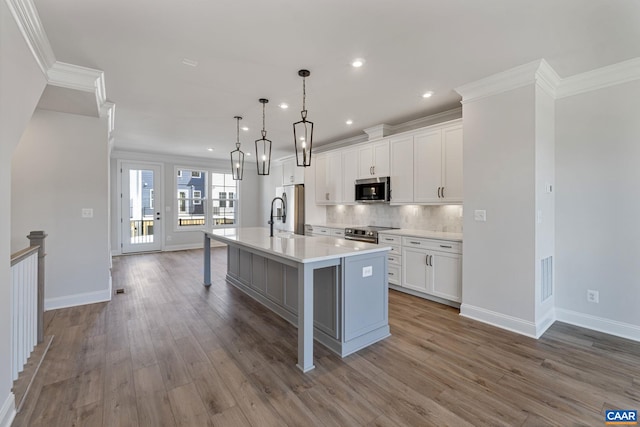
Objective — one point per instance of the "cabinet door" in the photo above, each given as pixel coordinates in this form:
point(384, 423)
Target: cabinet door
point(275, 281)
point(334, 177)
point(365, 162)
point(350, 174)
point(427, 166)
point(291, 289)
point(447, 276)
point(381, 158)
point(321, 178)
point(401, 169)
point(414, 270)
point(452, 164)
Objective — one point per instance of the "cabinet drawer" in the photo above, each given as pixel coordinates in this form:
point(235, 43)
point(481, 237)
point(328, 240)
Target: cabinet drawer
point(389, 239)
point(394, 259)
point(321, 231)
point(395, 250)
point(435, 245)
point(394, 275)
point(337, 232)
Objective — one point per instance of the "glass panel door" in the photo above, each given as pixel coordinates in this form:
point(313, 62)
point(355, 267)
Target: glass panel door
point(141, 208)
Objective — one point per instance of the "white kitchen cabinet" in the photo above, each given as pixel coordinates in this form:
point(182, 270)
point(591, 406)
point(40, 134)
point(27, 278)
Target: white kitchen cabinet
point(438, 165)
point(402, 170)
point(329, 178)
point(373, 159)
point(349, 175)
point(432, 267)
point(291, 173)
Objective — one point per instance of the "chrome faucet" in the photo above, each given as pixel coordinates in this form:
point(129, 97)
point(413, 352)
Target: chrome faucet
point(283, 215)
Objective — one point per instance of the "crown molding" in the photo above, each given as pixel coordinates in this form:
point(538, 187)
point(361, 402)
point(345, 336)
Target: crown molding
point(599, 78)
point(26, 17)
point(434, 119)
point(378, 131)
point(537, 72)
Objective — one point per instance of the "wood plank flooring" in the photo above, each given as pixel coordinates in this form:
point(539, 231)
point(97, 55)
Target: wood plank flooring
point(169, 352)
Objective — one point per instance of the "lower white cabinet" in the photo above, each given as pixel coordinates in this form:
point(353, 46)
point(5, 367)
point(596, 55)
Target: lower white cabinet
point(432, 267)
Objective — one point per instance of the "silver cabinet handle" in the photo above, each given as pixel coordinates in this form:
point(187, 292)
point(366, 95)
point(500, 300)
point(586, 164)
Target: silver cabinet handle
point(439, 192)
point(430, 260)
point(426, 261)
point(374, 170)
point(388, 239)
point(415, 243)
point(442, 192)
point(390, 274)
point(445, 246)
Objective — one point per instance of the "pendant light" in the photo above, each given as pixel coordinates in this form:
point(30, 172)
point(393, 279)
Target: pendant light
point(303, 130)
point(237, 156)
point(263, 147)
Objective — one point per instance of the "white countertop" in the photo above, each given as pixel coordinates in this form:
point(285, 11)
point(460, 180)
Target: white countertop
point(334, 225)
point(425, 234)
point(291, 246)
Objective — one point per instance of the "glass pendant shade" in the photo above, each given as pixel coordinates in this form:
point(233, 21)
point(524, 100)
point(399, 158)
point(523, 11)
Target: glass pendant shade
point(237, 156)
point(303, 130)
point(263, 147)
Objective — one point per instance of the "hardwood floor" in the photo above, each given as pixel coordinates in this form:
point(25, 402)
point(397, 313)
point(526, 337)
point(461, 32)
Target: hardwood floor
point(169, 352)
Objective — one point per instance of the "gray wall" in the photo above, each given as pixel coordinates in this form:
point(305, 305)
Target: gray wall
point(499, 177)
point(598, 203)
point(21, 84)
point(58, 169)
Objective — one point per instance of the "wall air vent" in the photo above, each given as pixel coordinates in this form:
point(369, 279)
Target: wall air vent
point(546, 277)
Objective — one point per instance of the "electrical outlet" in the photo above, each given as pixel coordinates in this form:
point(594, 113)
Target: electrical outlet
point(367, 271)
point(593, 296)
point(168, 238)
point(87, 213)
point(480, 215)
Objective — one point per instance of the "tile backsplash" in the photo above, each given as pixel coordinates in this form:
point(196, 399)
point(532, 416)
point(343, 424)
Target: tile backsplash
point(447, 218)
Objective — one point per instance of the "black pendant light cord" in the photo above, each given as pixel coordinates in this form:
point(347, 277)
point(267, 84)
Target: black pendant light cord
point(304, 98)
point(238, 132)
point(264, 132)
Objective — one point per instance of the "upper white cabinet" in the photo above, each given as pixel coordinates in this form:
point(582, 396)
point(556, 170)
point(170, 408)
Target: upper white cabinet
point(401, 169)
point(438, 165)
point(329, 178)
point(426, 166)
point(373, 159)
point(349, 175)
point(291, 173)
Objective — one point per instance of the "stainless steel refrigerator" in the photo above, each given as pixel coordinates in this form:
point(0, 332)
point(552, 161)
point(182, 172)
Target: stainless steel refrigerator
point(294, 198)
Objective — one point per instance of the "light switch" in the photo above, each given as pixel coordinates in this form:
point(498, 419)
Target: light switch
point(367, 271)
point(87, 213)
point(480, 215)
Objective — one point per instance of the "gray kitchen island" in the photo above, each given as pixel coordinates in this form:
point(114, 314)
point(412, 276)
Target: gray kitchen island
point(333, 290)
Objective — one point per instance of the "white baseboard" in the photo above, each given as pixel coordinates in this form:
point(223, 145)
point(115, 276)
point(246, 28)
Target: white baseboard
point(78, 299)
point(545, 323)
point(600, 324)
point(8, 410)
point(510, 323)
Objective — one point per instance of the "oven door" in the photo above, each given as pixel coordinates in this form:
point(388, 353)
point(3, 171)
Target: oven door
point(372, 190)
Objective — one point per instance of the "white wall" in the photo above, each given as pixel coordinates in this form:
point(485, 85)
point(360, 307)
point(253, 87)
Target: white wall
point(249, 190)
point(598, 208)
point(58, 169)
point(21, 84)
point(499, 177)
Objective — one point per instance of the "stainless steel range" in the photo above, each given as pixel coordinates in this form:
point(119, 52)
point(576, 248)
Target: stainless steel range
point(367, 234)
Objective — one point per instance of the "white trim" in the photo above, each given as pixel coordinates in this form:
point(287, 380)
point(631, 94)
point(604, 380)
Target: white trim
point(26, 17)
point(8, 410)
point(599, 78)
point(545, 322)
point(77, 299)
point(378, 131)
point(600, 324)
point(503, 321)
point(539, 72)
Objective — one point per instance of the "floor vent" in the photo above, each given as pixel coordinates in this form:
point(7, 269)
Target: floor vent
point(546, 277)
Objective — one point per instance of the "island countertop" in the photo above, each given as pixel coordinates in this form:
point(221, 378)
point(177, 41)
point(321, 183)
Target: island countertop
point(295, 247)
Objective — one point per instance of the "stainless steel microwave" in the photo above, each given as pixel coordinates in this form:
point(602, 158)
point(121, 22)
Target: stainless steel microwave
point(373, 190)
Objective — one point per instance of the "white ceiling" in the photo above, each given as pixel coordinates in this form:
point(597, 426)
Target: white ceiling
point(249, 49)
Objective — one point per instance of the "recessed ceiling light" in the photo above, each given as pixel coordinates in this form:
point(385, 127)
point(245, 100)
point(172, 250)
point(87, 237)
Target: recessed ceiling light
point(349, 122)
point(357, 63)
point(427, 94)
point(248, 154)
point(283, 106)
point(209, 149)
point(190, 62)
point(244, 128)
